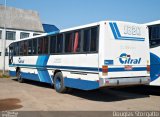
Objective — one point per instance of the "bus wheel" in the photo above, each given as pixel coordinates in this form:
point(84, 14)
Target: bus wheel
point(59, 83)
point(19, 77)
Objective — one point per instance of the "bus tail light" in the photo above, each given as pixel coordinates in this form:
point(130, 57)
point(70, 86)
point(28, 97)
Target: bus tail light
point(104, 70)
point(148, 68)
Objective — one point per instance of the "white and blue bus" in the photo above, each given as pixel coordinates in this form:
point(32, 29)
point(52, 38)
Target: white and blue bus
point(102, 54)
point(154, 40)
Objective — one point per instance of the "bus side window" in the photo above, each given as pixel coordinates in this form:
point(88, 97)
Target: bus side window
point(15, 49)
point(154, 36)
point(30, 47)
point(40, 45)
point(68, 42)
point(21, 47)
point(86, 40)
point(53, 44)
point(25, 51)
point(45, 45)
point(77, 42)
point(59, 43)
point(34, 47)
point(94, 36)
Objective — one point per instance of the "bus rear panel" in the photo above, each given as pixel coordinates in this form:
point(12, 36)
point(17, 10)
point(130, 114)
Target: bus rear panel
point(124, 59)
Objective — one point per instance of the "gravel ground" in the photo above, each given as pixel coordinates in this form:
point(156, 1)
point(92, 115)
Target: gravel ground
point(35, 96)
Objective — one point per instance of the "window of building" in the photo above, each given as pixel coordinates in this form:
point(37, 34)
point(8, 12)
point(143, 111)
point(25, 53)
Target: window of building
point(10, 35)
point(0, 34)
point(35, 34)
point(34, 47)
point(53, 44)
point(24, 35)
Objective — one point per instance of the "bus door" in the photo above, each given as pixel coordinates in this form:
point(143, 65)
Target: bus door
point(10, 54)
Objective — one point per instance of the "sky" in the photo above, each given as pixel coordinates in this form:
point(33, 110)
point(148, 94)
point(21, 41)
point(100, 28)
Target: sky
point(70, 13)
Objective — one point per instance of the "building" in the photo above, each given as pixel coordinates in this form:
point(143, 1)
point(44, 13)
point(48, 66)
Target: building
point(19, 24)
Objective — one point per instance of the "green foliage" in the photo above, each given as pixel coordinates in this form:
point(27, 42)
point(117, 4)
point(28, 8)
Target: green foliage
point(5, 75)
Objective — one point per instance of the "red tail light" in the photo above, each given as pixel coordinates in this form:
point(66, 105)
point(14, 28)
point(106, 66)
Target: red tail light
point(148, 68)
point(105, 69)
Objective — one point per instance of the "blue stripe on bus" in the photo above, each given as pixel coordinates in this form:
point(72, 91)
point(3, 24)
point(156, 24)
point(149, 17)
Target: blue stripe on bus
point(68, 82)
point(117, 35)
point(43, 73)
point(155, 66)
point(12, 73)
point(30, 76)
point(81, 84)
point(113, 31)
point(94, 69)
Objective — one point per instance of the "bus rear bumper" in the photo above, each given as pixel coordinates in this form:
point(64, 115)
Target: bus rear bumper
point(124, 81)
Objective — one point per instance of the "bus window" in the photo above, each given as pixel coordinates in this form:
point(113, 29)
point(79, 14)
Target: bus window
point(21, 47)
point(30, 47)
point(77, 42)
point(53, 44)
point(59, 43)
point(34, 50)
point(40, 45)
point(45, 45)
point(25, 51)
point(68, 42)
point(94, 35)
point(86, 40)
point(16, 49)
point(154, 36)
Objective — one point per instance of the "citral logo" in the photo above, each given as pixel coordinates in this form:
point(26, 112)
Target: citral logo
point(126, 59)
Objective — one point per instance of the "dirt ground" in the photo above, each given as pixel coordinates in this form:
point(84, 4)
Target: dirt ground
point(35, 96)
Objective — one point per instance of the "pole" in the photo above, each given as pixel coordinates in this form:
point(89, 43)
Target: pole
point(4, 41)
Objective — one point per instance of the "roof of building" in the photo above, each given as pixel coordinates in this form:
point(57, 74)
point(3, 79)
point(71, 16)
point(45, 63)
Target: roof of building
point(21, 19)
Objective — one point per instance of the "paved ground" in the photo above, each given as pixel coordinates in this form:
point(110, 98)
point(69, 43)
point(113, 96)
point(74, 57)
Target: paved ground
point(34, 96)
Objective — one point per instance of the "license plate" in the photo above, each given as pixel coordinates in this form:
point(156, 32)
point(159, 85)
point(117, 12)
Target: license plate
point(128, 67)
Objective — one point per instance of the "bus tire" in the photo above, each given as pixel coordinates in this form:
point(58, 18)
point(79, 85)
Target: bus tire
point(19, 77)
point(59, 83)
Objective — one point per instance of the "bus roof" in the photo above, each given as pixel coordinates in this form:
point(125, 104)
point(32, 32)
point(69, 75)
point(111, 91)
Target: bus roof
point(153, 23)
point(68, 29)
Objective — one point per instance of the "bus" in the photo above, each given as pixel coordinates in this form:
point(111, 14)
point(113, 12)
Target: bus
point(154, 40)
point(101, 54)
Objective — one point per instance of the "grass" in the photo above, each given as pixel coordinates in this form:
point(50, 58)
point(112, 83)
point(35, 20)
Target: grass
point(5, 75)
